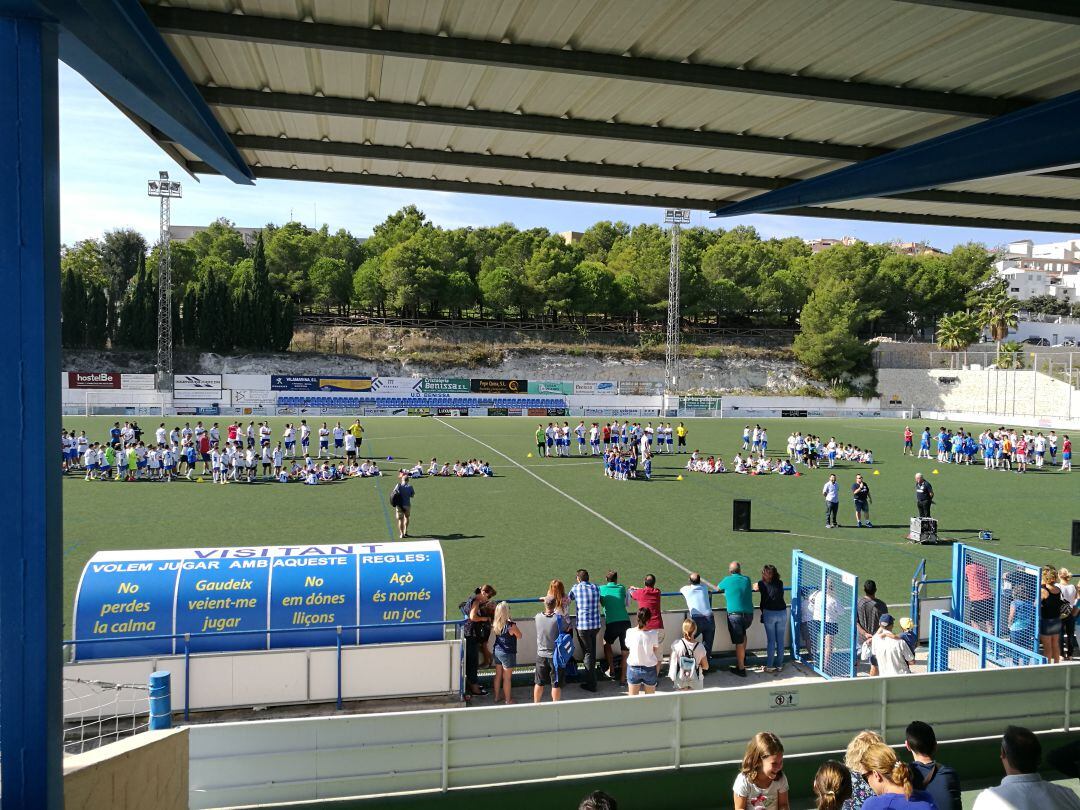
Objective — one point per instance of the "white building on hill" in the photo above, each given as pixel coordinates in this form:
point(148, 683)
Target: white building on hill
point(1048, 269)
point(818, 245)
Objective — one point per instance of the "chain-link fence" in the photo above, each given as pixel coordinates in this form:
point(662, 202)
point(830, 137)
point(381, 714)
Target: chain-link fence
point(823, 616)
point(959, 647)
point(996, 595)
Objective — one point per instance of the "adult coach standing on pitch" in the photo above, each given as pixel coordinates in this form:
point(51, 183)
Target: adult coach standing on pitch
point(924, 495)
point(831, 493)
point(401, 499)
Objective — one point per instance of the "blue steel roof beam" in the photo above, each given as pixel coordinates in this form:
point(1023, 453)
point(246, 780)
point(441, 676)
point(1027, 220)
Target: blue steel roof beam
point(1057, 11)
point(113, 44)
point(1036, 139)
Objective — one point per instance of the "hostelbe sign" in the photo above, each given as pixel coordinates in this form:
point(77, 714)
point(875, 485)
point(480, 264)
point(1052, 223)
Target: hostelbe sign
point(100, 379)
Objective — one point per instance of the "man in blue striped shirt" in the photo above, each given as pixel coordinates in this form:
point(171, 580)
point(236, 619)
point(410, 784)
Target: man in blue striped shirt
point(586, 598)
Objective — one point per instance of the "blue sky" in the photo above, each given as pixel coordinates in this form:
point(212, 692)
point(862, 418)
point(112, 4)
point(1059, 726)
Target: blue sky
point(105, 162)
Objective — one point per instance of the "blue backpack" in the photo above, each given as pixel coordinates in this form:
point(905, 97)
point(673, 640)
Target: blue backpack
point(563, 656)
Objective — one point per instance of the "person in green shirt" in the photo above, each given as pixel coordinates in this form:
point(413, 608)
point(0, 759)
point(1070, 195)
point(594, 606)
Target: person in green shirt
point(110, 461)
point(616, 620)
point(740, 612)
point(541, 439)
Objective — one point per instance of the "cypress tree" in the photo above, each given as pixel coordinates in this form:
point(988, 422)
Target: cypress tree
point(263, 301)
point(97, 316)
point(73, 301)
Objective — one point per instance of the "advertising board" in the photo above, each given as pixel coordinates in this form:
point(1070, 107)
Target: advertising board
point(396, 386)
point(551, 387)
point(593, 388)
point(622, 412)
point(445, 385)
point(284, 382)
point(641, 388)
point(91, 380)
point(126, 600)
point(196, 382)
point(246, 397)
point(699, 403)
point(345, 383)
point(137, 382)
point(499, 386)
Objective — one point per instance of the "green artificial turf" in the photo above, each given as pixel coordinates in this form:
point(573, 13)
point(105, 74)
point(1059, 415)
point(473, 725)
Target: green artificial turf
point(517, 533)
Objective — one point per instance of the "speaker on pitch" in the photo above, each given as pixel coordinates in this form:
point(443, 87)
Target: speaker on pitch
point(1076, 538)
point(740, 515)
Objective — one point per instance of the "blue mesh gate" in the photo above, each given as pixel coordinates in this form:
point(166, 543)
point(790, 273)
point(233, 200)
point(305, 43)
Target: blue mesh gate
point(823, 600)
point(957, 647)
point(996, 595)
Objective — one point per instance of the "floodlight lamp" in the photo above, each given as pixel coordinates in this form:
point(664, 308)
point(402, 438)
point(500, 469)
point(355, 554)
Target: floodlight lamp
point(152, 186)
point(163, 175)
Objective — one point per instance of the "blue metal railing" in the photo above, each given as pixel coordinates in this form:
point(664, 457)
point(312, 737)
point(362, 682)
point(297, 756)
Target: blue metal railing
point(664, 594)
point(997, 594)
point(918, 593)
point(958, 647)
point(187, 637)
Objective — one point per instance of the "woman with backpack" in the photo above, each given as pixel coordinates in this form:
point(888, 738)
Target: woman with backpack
point(477, 629)
point(506, 634)
point(688, 659)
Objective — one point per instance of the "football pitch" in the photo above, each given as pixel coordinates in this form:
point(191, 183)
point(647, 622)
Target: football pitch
point(540, 519)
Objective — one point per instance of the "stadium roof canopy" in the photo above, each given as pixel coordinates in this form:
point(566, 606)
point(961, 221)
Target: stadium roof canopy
point(696, 103)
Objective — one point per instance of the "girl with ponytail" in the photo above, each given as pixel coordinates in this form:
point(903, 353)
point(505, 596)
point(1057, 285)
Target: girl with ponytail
point(832, 785)
point(890, 780)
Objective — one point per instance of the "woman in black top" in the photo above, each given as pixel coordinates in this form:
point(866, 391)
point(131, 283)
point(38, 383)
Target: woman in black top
point(1050, 615)
point(773, 616)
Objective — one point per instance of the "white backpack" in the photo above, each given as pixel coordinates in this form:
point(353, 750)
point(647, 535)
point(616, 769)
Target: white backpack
point(687, 672)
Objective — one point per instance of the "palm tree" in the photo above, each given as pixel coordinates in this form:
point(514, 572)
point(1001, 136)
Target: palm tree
point(1010, 355)
point(957, 331)
point(999, 311)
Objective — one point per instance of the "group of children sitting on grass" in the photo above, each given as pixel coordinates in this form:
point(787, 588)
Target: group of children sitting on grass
point(459, 469)
point(744, 466)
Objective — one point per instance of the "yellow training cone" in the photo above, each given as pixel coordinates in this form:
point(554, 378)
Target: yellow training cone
point(877, 472)
point(529, 456)
point(933, 472)
point(199, 480)
point(679, 478)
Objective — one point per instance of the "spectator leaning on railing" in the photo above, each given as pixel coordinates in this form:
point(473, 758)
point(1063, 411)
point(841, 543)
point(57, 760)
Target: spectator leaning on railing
point(740, 612)
point(699, 604)
point(586, 597)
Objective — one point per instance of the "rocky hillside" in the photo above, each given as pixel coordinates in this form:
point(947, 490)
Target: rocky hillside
point(416, 353)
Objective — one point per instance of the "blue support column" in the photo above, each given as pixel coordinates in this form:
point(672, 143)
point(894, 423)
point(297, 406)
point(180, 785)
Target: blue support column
point(30, 509)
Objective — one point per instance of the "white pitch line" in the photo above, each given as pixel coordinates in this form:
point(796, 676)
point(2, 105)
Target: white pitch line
point(572, 499)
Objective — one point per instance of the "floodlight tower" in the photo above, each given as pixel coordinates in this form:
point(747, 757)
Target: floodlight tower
point(674, 217)
point(165, 189)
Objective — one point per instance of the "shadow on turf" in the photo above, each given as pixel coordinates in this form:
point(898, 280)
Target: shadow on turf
point(454, 536)
point(770, 531)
